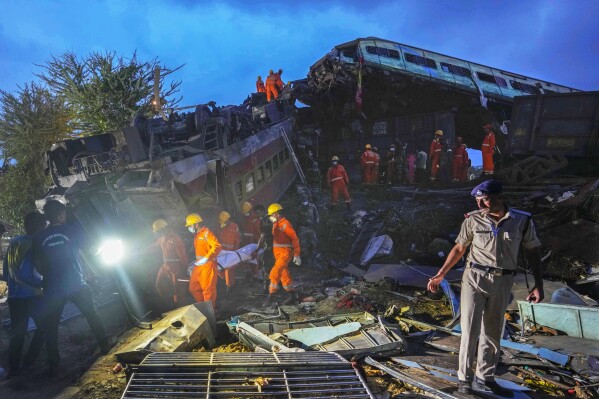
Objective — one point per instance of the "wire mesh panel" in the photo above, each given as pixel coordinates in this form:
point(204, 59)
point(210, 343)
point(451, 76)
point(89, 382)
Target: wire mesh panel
point(246, 375)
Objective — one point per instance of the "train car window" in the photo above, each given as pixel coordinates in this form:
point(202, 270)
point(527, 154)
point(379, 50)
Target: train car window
point(238, 191)
point(526, 88)
point(249, 184)
point(456, 70)
point(485, 77)
point(275, 163)
point(281, 158)
point(416, 59)
point(286, 154)
point(547, 91)
point(268, 167)
point(500, 81)
point(349, 54)
point(371, 50)
point(394, 54)
point(260, 173)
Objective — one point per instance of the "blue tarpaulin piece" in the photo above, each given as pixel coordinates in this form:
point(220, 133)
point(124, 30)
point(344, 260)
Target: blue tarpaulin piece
point(552, 356)
point(319, 335)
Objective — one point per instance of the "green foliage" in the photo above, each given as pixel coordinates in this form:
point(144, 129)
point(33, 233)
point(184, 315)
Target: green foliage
point(30, 121)
point(105, 90)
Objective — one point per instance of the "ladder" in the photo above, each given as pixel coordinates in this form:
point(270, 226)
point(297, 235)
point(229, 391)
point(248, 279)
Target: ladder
point(296, 163)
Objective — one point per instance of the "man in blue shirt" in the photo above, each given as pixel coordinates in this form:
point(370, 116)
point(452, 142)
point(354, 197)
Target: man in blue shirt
point(24, 294)
point(56, 255)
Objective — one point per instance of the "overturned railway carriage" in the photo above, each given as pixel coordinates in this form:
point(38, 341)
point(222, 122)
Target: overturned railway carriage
point(118, 183)
point(406, 93)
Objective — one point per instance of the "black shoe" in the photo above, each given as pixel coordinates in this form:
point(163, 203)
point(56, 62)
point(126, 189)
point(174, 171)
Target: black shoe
point(464, 387)
point(490, 387)
point(291, 299)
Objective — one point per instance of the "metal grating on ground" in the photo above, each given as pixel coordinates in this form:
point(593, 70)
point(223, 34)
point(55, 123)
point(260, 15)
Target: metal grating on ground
point(243, 375)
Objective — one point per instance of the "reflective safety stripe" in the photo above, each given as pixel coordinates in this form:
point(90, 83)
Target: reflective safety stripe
point(486, 145)
point(439, 150)
point(287, 287)
point(282, 245)
point(227, 245)
point(369, 161)
point(337, 178)
point(248, 234)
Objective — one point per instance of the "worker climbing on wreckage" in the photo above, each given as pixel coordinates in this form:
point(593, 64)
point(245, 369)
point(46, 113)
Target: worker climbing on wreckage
point(278, 81)
point(229, 236)
point(488, 149)
point(260, 88)
point(202, 283)
point(496, 233)
point(434, 154)
point(286, 246)
point(337, 180)
point(272, 92)
point(367, 161)
point(174, 261)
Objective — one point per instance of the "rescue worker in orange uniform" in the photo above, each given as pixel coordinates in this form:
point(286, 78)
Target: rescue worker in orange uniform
point(278, 81)
point(202, 283)
point(434, 154)
point(488, 149)
point(459, 165)
point(174, 261)
point(250, 225)
point(367, 164)
point(271, 86)
point(285, 246)
point(229, 237)
point(260, 88)
point(337, 180)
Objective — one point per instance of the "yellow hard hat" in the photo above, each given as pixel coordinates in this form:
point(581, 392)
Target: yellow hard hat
point(192, 219)
point(158, 225)
point(271, 71)
point(335, 158)
point(274, 208)
point(246, 207)
point(368, 146)
point(223, 217)
point(439, 133)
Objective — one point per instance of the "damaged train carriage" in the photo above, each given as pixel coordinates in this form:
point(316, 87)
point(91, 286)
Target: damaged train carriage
point(377, 91)
point(117, 184)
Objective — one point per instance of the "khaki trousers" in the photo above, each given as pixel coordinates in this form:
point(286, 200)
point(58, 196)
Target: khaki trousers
point(484, 299)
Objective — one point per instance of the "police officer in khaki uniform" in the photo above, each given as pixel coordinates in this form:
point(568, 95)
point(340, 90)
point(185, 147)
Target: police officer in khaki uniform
point(496, 232)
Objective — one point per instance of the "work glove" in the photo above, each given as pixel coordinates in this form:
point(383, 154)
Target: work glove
point(297, 260)
point(201, 261)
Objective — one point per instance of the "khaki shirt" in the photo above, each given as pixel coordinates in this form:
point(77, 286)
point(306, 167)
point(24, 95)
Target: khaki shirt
point(497, 244)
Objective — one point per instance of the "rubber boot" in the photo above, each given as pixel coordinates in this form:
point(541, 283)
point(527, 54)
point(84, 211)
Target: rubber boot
point(291, 298)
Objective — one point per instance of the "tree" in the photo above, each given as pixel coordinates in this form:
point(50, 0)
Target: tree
point(31, 120)
point(105, 90)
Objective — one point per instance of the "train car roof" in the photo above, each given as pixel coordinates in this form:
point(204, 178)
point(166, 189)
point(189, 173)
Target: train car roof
point(355, 42)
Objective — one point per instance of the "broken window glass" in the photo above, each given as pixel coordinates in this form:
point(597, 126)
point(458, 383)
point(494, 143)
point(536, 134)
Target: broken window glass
point(249, 184)
point(383, 52)
point(454, 69)
point(416, 59)
point(526, 88)
point(371, 50)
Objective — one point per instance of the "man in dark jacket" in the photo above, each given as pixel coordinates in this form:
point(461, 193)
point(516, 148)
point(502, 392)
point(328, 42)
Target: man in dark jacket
point(24, 294)
point(56, 255)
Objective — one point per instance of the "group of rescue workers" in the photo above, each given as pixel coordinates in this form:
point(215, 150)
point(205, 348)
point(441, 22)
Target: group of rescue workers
point(445, 162)
point(273, 86)
point(43, 269)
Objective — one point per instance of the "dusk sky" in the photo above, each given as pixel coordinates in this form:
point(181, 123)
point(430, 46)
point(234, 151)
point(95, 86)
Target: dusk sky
point(225, 45)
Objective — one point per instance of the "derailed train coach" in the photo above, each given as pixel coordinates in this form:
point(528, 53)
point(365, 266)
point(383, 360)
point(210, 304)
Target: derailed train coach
point(211, 159)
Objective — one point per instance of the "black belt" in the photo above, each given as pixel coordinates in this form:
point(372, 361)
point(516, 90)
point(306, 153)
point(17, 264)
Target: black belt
point(495, 271)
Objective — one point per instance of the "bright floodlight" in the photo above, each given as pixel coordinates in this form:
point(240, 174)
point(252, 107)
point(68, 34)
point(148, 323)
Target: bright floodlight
point(111, 251)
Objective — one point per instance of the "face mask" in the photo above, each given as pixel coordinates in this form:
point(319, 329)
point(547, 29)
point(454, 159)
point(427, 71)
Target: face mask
point(335, 163)
point(305, 203)
point(272, 219)
point(191, 229)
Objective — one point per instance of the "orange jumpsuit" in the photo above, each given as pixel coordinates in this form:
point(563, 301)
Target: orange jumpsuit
point(250, 226)
point(285, 246)
point(459, 163)
point(337, 180)
point(174, 261)
point(230, 239)
point(488, 149)
point(202, 283)
point(279, 82)
point(367, 161)
point(434, 154)
point(260, 86)
point(271, 87)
